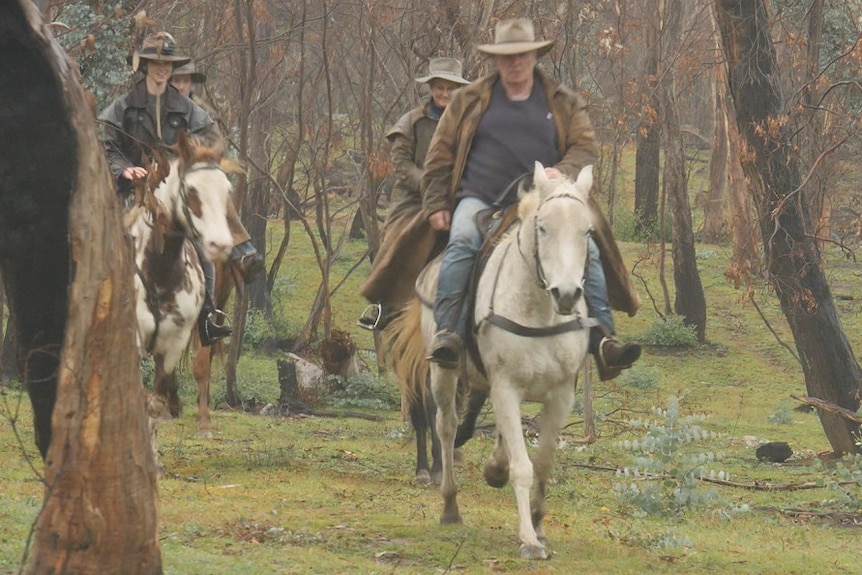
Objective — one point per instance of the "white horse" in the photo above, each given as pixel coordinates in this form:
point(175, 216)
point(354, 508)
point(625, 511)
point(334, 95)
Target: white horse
point(532, 331)
point(188, 206)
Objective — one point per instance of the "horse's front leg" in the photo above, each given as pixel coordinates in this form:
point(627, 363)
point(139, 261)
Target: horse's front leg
point(506, 399)
point(165, 384)
point(555, 410)
point(444, 387)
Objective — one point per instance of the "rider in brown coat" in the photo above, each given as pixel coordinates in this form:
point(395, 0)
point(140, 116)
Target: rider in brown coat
point(493, 131)
point(407, 240)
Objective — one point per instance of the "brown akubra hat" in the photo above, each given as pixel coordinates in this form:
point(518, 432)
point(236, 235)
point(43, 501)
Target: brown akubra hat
point(159, 47)
point(515, 36)
point(189, 69)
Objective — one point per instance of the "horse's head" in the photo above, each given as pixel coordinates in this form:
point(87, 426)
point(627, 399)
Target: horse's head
point(201, 192)
point(557, 223)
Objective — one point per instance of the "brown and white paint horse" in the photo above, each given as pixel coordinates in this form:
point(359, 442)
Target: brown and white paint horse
point(188, 207)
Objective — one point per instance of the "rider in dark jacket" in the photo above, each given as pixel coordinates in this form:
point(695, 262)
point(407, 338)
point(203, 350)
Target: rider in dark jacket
point(151, 115)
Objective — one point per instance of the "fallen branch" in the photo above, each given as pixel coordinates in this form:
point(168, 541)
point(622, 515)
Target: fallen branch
point(828, 406)
point(850, 519)
point(754, 485)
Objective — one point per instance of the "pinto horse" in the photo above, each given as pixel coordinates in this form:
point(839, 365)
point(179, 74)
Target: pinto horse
point(531, 331)
point(188, 207)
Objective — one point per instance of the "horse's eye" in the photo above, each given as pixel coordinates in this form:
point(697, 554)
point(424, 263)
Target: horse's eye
point(541, 229)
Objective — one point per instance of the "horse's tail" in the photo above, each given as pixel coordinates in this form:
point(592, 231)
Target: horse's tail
point(407, 352)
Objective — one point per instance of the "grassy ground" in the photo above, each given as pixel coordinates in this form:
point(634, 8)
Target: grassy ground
point(315, 495)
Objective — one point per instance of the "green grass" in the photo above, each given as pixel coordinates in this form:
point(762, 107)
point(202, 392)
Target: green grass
point(334, 495)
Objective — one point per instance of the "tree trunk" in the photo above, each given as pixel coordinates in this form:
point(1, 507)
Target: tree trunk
point(689, 301)
point(714, 222)
point(830, 369)
point(77, 344)
point(647, 155)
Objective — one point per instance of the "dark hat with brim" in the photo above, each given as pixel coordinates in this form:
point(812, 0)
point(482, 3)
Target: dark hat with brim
point(515, 36)
point(159, 47)
point(448, 69)
point(189, 70)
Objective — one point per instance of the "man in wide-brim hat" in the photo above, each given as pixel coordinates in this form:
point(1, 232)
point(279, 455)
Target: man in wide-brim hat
point(493, 132)
point(407, 242)
point(159, 47)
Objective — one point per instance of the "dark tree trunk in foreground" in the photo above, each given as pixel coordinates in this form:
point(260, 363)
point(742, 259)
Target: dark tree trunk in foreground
point(831, 371)
point(689, 301)
point(59, 223)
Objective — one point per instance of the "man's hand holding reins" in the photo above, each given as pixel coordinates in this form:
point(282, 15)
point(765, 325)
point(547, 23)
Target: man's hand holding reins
point(440, 220)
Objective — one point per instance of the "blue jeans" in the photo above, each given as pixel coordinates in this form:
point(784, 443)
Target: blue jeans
point(596, 289)
point(457, 265)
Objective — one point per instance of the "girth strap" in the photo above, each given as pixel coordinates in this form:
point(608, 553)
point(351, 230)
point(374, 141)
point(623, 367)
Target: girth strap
point(547, 331)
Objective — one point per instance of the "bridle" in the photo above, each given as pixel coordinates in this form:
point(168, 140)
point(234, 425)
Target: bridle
point(184, 197)
point(576, 324)
point(542, 280)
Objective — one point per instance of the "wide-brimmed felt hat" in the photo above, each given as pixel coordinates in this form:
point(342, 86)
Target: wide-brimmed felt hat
point(444, 68)
point(189, 70)
point(515, 36)
point(159, 47)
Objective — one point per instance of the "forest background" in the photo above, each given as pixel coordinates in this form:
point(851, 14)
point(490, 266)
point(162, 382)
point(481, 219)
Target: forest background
point(764, 93)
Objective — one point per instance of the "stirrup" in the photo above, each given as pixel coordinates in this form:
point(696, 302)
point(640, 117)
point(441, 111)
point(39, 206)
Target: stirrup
point(210, 331)
point(370, 317)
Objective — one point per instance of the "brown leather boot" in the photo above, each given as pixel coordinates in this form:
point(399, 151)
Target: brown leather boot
point(446, 349)
point(613, 357)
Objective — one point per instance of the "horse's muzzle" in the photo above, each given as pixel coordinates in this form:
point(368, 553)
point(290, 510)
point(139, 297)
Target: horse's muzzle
point(566, 301)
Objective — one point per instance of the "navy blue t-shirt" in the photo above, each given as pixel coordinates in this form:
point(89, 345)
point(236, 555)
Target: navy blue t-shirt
point(510, 138)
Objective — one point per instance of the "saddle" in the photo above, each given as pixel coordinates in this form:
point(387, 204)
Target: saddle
point(493, 224)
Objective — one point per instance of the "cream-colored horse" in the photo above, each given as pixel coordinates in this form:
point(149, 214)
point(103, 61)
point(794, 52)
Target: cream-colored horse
point(531, 330)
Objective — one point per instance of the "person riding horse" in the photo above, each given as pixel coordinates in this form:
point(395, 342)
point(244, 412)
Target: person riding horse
point(401, 257)
point(151, 115)
point(492, 133)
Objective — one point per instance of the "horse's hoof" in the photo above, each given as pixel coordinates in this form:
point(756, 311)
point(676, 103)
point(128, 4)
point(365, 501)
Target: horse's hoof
point(496, 476)
point(206, 433)
point(533, 552)
point(422, 477)
point(451, 519)
point(458, 457)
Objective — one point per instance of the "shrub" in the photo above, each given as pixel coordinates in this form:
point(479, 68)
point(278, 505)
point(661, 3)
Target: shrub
point(627, 228)
point(782, 416)
point(642, 379)
point(667, 477)
point(365, 391)
point(670, 332)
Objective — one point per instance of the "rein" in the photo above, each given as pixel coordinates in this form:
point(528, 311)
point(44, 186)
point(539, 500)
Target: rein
point(516, 328)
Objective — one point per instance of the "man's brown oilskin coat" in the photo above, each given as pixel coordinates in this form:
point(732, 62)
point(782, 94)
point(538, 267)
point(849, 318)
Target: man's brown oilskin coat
point(407, 240)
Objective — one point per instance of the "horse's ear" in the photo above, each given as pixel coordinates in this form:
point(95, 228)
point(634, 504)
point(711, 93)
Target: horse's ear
point(540, 180)
point(185, 148)
point(585, 179)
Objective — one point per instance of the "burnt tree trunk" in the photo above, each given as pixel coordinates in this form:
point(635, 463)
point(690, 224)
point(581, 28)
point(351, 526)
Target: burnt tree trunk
point(794, 266)
point(689, 301)
point(69, 289)
point(648, 141)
